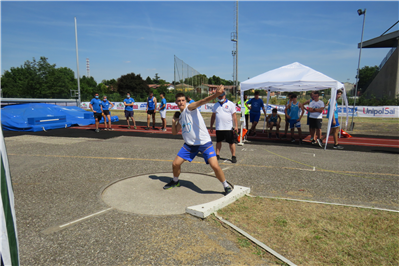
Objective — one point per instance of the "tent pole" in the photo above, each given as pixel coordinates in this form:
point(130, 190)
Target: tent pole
point(242, 119)
point(267, 107)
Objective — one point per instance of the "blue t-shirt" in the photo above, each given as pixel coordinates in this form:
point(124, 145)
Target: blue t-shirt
point(294, 111)
point(105, 105)
point(128, 101)
point(191, 101)
point(96, 104)
point(256, 105)
point(151, 103)
point(163, 102)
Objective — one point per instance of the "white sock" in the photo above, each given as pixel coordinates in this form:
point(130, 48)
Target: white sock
point(175, 179)
point(225, 184)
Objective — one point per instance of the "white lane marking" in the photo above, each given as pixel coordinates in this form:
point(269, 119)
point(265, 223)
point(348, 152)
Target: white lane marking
point(81, 219)
point(328, 203)
point(224, 169)
point(314, 155)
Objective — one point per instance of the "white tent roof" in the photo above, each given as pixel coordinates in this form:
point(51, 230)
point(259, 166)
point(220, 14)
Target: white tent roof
point(293, 77)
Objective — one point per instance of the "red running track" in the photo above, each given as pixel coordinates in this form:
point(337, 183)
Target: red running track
point(357, 141)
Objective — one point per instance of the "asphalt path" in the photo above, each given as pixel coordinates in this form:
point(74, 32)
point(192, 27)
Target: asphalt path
point(59, 177)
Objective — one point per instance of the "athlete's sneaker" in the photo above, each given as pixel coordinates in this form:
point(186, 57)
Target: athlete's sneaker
point(313, 142)
point(218, 157)
point(164, 129)
point(135, 127)
point(292, 140)
point(337, 147)
point(172, 184)
point(128, 127)
point(97, 130)
point(105, 128)
point(227, 190)
point(154, 128)
point(111, 129)
point(147, 128)
point(233, 159)
point(320, 143)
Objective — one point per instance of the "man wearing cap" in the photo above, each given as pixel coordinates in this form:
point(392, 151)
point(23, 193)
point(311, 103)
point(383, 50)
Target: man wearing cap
point(254, 113)
point(224, 111)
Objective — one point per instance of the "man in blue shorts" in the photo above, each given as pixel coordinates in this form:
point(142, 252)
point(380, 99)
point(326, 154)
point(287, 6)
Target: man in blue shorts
point(254, 113)
point(151, 104)
point(95, 106)
point(334, 123)
point(292, 113)
point(196, 138)
point(129, 102)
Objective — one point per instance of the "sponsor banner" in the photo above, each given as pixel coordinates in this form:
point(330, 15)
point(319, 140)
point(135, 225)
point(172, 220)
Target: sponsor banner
point(361, 111)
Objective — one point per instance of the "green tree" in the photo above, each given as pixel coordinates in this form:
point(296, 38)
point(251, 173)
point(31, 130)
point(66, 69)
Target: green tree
point(148, 80)
point(38, 79)
point(156, 79)
point(366, 75)
point(134, 84)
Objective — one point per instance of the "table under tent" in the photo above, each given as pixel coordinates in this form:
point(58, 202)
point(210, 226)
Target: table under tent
point(295, 78)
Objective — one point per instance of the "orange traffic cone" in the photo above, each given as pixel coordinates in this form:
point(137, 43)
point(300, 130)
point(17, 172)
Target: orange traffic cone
point(345, 134)
point(242, 135)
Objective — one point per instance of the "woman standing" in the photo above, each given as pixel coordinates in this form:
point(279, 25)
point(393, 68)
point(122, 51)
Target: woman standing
point(106, 105)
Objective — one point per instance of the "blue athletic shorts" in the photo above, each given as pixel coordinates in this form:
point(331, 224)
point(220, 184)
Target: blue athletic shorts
point(254, 117)
point(336, 123)
point(295, 123)
point(188, 152)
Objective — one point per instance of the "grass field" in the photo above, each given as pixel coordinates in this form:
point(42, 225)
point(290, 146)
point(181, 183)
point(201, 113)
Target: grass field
point(315, 234)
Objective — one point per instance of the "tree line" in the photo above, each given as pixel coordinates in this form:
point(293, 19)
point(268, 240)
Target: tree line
point(40, 79)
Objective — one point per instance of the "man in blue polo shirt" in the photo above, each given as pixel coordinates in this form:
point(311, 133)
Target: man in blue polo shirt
point(95, 106)
point(162, 111)
point(151, 104)
point(128, 102)
point(254, 111)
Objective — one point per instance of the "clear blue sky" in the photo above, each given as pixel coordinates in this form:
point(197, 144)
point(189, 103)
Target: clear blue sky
point(143, 37)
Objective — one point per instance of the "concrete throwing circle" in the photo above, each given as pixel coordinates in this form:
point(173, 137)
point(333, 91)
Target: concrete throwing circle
point(144, 194)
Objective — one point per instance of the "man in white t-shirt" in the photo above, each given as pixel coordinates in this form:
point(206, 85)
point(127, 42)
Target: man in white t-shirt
point(315, 110)
point(196, 138)
point(224, 111)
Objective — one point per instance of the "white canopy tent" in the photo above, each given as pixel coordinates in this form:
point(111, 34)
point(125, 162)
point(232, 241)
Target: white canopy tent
point(295, 78)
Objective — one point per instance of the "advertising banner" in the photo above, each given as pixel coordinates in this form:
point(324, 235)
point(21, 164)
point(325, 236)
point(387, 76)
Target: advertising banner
point(360, 111)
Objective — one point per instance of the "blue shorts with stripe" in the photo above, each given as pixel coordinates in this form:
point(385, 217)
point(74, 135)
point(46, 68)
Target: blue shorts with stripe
point(188, 152)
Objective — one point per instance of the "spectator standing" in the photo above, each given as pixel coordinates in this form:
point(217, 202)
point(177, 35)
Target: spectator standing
point(129, 113)
point(151, 104)
point(246, 112)
point(162, 111)
point(287, 121)
point(294, 108)
point(106, 105)
point(95, 106)
point(224, 112)
point(316, 108)
point(334, 123)
point(307, 121)
point(254, 113)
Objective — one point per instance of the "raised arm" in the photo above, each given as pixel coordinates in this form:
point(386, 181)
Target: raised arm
point(197, 104)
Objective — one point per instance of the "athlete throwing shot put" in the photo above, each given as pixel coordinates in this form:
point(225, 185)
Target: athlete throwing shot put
point(196, 138)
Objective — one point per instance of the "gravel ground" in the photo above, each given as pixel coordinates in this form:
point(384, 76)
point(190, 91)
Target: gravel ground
point(59, 179)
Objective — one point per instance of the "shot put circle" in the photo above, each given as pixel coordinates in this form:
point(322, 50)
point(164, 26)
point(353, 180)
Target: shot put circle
point(144, 194)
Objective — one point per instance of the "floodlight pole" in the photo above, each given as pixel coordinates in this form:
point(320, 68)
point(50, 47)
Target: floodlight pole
point(236, 47)
point(77, 62)
point(360, 12)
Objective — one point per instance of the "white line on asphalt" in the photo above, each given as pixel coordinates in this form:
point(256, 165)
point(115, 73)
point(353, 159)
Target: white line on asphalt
point(88, 216)
point(224, 169)
point(328, 203)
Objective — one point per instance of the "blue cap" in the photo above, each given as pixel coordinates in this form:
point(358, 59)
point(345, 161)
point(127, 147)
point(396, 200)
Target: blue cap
point(223, 94)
